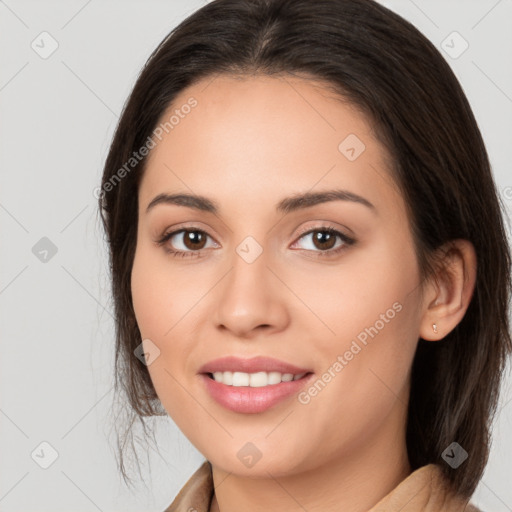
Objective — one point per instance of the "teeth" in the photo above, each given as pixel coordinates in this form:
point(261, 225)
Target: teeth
point(254, 380)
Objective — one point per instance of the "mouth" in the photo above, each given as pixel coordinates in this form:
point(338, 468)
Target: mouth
point(254, 380)
point(252, 393)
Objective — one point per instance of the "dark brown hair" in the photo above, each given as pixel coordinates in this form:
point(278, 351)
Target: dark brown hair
point(383, 65)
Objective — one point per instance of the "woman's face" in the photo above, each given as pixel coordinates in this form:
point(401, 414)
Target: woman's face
point(250, 281)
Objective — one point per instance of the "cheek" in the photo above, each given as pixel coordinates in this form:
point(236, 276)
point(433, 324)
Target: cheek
point(163, 305)
point(374, 313)
point(372, 293)
point(155, 293)
point(369, 365)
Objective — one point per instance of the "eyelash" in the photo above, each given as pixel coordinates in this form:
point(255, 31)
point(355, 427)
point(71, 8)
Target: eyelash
point(347, 241)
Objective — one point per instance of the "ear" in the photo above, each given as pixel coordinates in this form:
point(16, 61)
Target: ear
point(448, 293)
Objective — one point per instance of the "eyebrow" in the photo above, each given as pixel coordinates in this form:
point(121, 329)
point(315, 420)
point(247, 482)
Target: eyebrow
point(287, 205)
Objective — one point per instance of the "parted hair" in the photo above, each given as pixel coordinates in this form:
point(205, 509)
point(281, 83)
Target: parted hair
point(384, 66)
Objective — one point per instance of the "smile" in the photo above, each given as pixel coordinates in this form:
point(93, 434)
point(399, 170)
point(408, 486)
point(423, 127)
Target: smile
point(254, 380)
point(252, 393)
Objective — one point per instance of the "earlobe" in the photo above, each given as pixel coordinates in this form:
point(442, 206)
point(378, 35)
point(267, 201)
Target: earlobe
point(450, 290)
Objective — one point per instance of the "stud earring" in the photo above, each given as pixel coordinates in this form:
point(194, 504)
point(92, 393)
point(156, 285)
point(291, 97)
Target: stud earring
point(434, 327)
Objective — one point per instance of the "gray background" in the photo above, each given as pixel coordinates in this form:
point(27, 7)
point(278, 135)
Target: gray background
point(57, 118)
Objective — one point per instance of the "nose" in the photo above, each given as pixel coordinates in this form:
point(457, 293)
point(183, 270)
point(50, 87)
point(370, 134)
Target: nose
point(251, 298)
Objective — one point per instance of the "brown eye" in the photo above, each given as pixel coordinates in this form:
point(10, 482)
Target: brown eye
point(324, 241)
point(193, 240)
point(184, 242)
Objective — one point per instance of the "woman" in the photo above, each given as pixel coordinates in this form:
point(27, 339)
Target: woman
point(309, 264)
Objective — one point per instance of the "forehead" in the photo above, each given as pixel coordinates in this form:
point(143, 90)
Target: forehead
point(253, 137)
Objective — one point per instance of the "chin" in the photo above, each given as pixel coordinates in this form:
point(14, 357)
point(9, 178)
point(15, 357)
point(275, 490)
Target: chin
point(249, 460)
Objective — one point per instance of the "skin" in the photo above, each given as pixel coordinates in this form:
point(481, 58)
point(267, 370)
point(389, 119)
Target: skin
point(246, 145)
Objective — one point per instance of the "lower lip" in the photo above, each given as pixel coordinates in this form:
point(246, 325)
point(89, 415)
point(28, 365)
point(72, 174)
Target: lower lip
point(248, 400)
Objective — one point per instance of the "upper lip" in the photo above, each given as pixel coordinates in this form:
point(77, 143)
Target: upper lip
point(253, 365)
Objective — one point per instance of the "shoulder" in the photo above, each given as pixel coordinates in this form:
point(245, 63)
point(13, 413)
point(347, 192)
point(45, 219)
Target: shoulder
point(196, 494)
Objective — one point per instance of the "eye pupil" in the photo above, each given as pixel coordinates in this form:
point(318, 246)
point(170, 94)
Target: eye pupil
point(321, 236)
point(193, 238)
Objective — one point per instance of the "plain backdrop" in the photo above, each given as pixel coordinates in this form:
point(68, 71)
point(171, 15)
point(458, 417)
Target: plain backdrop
point(66, 69)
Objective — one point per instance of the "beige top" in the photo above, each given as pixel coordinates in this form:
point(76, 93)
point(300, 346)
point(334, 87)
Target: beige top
point(424, 490)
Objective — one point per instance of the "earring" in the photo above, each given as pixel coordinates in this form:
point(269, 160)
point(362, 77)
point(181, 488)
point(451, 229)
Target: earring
point(434, 326)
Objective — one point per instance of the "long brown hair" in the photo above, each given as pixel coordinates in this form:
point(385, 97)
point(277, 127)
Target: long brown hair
point(385, 66)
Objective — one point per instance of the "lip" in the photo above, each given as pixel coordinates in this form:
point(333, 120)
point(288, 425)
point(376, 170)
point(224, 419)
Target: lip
point(248, 400)
point(252, 365)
